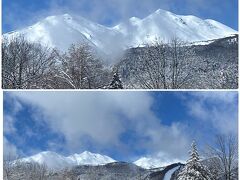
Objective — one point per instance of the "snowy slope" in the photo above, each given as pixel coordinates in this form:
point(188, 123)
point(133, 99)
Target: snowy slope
point(167, 25)
point(88, 158)
point(155, 162)
point(55, 161)
point(148, 163)
point(168, 175)
point(63, 30)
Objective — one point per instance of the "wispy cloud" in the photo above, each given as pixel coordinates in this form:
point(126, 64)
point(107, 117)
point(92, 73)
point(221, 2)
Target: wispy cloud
point(218, 108)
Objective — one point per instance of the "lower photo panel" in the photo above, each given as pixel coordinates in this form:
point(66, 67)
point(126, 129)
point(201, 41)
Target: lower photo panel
point(108, 135)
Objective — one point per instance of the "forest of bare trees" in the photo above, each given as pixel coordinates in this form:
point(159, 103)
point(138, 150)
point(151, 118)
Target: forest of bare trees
point(25, 65)
point(14, 169)
point(175, 65)
point(166, 66)
point(178, 65)
point(28, 65)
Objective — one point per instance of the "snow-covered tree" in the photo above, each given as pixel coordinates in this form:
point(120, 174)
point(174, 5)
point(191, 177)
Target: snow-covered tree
point(194, 170)
point(116, 82)
point(225, 153)
point(165, 66)
point(80, 69)
point(180, 65)
point(25, 64)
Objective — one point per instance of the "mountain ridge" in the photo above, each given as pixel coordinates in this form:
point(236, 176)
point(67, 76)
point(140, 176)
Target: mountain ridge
point(54, 160)
point(63, 30)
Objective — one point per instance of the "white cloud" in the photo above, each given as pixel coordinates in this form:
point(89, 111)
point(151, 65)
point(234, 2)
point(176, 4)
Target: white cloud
point(217, 108)
point(224, 97)
point(9, 117)
point(8, 124)
point(101, 118)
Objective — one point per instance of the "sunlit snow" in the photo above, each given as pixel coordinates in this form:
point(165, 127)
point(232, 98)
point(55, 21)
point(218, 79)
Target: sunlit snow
point(63, 30)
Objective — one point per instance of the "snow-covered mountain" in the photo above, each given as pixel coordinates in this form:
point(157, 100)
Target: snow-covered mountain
point(63, 30)
point(148, 163)
point(154, 162)
point(55, 161)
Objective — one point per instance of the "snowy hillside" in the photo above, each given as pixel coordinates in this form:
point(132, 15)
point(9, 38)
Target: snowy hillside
point(166, 25)
point(148, 163)
point(169, 173)
point(154, 162)
point(63, 30)
point(55, 161)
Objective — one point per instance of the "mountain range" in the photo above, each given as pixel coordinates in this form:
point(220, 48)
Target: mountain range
point(56, 161)
point(89, 165)
point(63, 30)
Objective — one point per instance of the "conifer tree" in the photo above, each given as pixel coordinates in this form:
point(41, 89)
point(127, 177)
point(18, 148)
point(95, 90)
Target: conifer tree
point(194, 170)
point(116, 82)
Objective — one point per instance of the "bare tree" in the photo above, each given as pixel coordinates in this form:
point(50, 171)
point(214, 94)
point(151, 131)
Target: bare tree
point(215, 74)
point(27, 65)
point(34, 170)
point(8, 169)
point(166, 65)
point(154, 67)
point(179, 64)
point(24, 64)
point(183, 64)
point(80, 69)
point(224, 156)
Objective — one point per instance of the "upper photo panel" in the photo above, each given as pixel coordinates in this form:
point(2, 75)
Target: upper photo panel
point(120, 44)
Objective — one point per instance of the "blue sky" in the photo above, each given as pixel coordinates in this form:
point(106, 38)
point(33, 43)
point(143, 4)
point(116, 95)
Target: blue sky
point(20, 13)
point(123, 125)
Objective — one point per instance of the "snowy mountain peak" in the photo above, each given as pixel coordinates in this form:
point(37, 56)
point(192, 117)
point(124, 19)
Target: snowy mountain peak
point(162, 11)
point(42, 156)
point(63, 30)
point(87, 153)
point(90, 158)
point(55, 161)
point(134, 20)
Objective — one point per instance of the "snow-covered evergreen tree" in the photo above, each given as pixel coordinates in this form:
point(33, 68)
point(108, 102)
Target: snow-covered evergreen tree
point(116, 82)
point(194, 170)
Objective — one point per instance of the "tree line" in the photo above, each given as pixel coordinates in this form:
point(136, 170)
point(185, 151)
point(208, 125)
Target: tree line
point(27, 65)
point(176, 65)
